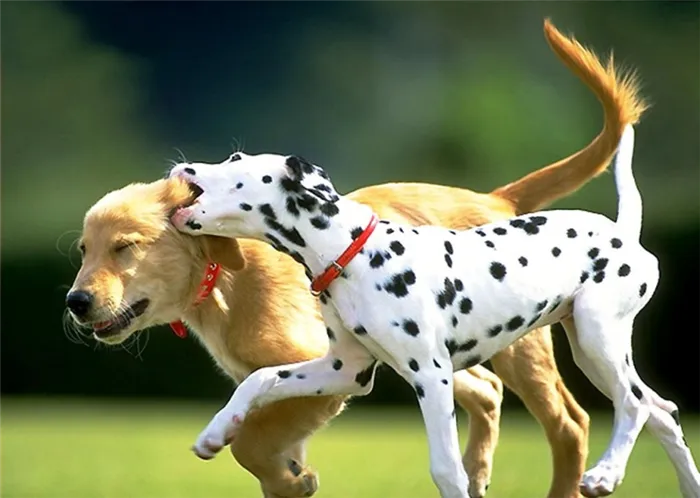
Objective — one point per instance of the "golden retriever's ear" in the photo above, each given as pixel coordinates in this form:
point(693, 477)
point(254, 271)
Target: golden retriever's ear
point(223, 250)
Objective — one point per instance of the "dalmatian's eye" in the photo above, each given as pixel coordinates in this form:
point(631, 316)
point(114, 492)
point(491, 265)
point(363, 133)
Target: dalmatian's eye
point(235, 157)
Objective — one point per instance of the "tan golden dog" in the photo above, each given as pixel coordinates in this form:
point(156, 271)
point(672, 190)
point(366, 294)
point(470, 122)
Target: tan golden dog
point(138, 271)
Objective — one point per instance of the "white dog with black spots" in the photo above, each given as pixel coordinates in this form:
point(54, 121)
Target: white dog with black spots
point(428, 301)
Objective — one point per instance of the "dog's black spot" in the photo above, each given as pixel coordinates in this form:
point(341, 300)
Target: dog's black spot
point(389, 231)
point(584, 276)
point(330, 334)
point(467, 346)
point(452, 232)
point(360, 330)
point(398, 283)
point(409, 277)
point(627, 360)
point(556, 252)
point(448, 247)
point(397, 247)
point(515, 323)
point(534, 320)
point(307, 202)
point(448, 260)
point(459, 285)
point(500, 231)
point(245, 207)
point(447, 296)
point(319, 391)
point(411, 327)
point(490, 244)
point(556, 303)
point(517, 223)
point(615, 243)
point(323, 299)
point(538, 220)
point(676, 417)
point(323, 187)
point(522, 260)
point(320, 222)
point(444, 381)
point(541, 305)
point(267, 179)
point(636, 391)
point(600, 264)
point(494, 331)
point(267, 211)
point(624, 270)
point(239, 185)
point(420, 392)
point(437, 365)
point(454, 321)
point(193, 225)
point(642, 290)
point(356, 232)
point(481, 232)
point(531, 229)
point(414, 231)
point(329, 209)
point(283, 374)
point(292, 235)
point(301, 376)
point(377, 260)
point(498, 271)
point(289, 185)
point(571, 233)
point(451, 346)
point(599, 277)
point(593, 253)
point(337, 364)
point(292, 207)
point(413, 365)
point(190, 171)
point(472, 361)
point(465, 305)
point(378, 287)
point(365, 376)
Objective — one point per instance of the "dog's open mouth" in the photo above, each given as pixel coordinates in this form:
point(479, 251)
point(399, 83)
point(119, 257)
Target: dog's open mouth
point(121, 321)
point(195, 192)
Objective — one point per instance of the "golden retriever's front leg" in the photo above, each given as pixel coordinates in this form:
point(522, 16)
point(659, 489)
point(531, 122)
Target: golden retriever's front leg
point(480, 393)
point(529, 369)
point(270, 442)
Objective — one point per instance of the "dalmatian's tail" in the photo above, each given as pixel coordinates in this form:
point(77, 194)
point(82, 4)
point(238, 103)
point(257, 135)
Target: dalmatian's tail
point(629, 201)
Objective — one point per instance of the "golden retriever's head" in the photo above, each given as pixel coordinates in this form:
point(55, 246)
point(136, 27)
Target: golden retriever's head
point(137, 270)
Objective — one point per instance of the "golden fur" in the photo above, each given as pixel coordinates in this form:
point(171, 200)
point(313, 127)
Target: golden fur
point(262, 313)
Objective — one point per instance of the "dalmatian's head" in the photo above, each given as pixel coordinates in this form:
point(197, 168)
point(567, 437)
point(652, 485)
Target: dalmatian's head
point(254, 196)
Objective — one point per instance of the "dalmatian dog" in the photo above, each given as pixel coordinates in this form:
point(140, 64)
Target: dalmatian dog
point(428, 301)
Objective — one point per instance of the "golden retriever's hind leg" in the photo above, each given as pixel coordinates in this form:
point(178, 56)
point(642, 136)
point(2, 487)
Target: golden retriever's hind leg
point(528, 368)
point(270, 444)
point(480, 393)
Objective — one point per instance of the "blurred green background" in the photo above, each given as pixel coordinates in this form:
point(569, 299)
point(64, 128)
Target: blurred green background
point(99, 94)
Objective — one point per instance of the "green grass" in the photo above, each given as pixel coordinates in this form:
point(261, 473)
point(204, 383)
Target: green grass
point(94, 449)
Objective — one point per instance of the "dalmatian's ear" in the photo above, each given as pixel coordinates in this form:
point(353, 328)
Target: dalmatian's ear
point(311, 179)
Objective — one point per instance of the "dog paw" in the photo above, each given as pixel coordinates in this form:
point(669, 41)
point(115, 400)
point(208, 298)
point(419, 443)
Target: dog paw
point(477, 489)
point(601, 480)
point(219, 433)
point(308, 479)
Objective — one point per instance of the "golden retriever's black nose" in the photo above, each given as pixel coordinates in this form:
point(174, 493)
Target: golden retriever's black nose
point(79, 302)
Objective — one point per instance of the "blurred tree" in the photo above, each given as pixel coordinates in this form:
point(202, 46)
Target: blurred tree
point(71, 129)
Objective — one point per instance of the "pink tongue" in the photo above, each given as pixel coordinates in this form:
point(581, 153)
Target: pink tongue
point(101, 325)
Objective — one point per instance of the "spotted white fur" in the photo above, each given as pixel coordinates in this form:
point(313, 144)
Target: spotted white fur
point(428, 301)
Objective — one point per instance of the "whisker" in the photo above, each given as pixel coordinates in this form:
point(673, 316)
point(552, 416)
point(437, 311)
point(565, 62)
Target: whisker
point(72, 330)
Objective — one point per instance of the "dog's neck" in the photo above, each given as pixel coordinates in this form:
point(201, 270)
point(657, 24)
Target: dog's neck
point(322, 246)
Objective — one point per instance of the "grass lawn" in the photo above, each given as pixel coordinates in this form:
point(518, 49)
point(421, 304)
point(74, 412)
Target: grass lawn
point(90, 449)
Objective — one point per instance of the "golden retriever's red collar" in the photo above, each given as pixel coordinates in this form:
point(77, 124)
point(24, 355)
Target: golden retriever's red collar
point(205, 288)
point(321, 283)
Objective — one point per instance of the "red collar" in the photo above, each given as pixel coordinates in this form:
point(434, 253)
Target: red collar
point(321, 283)
point(205, 288)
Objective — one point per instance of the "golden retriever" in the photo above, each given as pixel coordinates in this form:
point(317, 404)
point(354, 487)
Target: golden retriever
point(138, 271)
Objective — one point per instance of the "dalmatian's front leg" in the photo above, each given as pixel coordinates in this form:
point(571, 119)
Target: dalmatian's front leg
point(347, 369)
